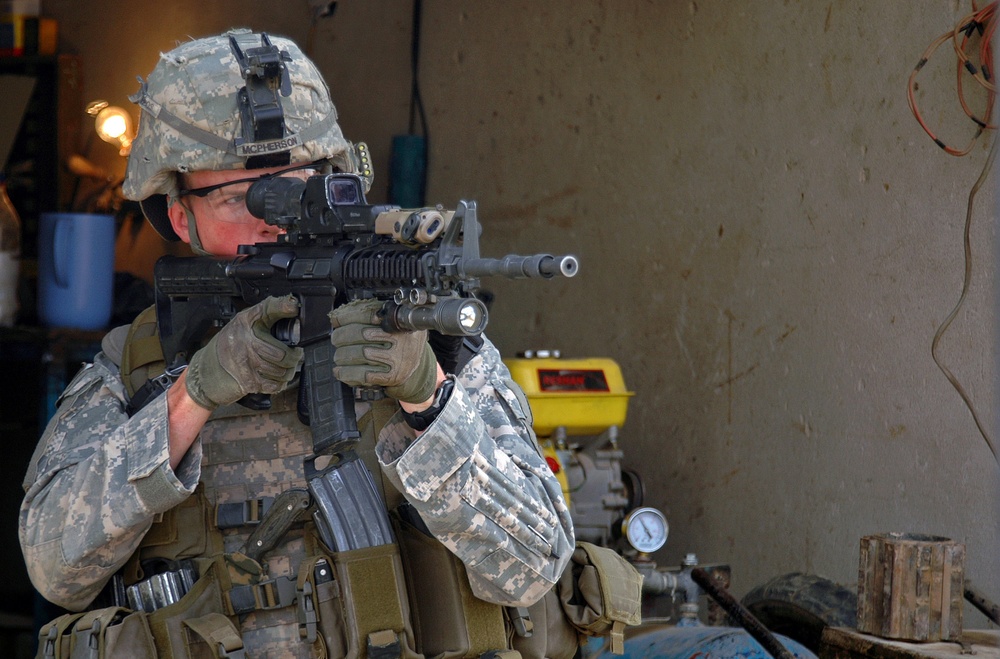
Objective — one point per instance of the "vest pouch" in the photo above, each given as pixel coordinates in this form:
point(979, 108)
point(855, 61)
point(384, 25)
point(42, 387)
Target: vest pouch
point(130, 637)
point(601, 593)
point(552, 634)
point(376, 609)
point(112, 632)
point(448, 620)
point(194, 626)
point(180, 533)
point(55, 638)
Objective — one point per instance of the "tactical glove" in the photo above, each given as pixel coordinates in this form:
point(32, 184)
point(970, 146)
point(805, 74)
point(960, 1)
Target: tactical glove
point(243, 358)
point(366, 355)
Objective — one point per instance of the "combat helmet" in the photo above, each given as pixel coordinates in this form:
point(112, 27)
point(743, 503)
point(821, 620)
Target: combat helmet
point(240, 100)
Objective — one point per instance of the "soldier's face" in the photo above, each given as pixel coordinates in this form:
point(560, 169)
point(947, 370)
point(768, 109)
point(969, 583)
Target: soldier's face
point(217, 200)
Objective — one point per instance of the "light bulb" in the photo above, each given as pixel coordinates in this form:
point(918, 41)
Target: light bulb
point(114, 126)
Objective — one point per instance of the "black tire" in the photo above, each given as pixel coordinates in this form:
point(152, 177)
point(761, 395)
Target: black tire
point(800, 606)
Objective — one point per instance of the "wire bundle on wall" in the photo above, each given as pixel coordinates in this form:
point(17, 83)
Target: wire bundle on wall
point(981, 22)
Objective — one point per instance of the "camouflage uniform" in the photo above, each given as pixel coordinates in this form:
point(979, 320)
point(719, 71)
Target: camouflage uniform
point(98, 480)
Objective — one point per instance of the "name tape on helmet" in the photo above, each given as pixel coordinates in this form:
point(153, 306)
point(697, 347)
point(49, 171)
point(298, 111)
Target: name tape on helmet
point(286, 143)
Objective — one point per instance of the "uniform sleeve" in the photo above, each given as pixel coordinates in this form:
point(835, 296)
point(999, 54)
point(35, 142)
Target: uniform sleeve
point(480, 483)
point(94, 484)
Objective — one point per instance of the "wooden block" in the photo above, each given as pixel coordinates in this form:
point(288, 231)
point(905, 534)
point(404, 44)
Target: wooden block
point(911, 587)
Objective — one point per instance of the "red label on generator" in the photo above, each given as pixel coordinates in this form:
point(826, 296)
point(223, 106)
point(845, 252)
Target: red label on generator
point(576, 380)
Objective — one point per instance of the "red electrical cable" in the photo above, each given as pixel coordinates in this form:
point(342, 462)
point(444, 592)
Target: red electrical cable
point(982, 21)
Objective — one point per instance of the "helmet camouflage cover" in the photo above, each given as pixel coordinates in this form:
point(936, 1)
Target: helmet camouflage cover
point(191, 120)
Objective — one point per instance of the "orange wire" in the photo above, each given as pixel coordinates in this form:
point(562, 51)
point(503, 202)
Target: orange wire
point(984, 19)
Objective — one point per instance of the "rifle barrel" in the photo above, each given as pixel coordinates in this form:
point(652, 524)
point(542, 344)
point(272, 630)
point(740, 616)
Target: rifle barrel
point(513, 266)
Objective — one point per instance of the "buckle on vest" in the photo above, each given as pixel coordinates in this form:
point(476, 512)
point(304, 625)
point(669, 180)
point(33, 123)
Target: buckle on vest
point(153, 388)
point(307, 613)
point(242, 513)
point(50, 643)
point(93, 640)
point(238, 653)
point(273, 594)
point(520, 620)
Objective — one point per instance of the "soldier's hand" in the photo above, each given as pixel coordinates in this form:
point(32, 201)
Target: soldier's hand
point(367, 355)
point(244, 358)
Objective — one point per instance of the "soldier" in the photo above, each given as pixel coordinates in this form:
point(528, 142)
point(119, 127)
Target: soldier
point(125, 484)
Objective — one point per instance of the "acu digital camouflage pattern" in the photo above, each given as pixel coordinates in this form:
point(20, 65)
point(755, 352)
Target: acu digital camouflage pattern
point(479, 481)
point(99, 479)
point(197, 82)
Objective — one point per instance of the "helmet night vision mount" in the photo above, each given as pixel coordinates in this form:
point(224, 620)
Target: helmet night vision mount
point(261, 115)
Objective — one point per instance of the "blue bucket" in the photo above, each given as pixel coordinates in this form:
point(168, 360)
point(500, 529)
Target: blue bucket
point(76, 265)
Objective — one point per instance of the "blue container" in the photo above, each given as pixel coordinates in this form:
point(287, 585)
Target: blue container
point(76, 265)
point(686, 642)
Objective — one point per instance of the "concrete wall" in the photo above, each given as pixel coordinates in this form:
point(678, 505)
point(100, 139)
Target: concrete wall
point(768, 239)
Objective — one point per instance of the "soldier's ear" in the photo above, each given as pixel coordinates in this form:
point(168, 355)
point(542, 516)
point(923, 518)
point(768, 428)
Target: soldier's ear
point(179, 217)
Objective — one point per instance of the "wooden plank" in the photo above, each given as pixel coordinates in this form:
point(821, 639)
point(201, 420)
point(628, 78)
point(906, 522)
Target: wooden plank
point(843, 643)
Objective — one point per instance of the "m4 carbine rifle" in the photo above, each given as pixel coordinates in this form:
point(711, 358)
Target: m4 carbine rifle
point(336, 248)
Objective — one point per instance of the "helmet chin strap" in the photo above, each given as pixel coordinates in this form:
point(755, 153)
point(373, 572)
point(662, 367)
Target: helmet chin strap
point(192, 225)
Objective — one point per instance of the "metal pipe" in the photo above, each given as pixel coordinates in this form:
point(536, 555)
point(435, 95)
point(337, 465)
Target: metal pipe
point(981, 602)
point(655, 582)
point(740, 614)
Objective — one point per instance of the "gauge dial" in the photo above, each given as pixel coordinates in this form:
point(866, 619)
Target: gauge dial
point(645, 529)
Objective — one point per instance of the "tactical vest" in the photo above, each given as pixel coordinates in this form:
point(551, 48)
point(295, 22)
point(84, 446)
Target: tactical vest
point(301, 600)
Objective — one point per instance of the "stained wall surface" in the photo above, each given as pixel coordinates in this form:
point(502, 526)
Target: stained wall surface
point(768, 239)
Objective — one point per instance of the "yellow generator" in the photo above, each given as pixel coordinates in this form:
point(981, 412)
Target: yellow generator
point(578, 406)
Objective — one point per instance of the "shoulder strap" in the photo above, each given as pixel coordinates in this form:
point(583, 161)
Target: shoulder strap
point(142, 363)
point(113, 343)
point(471, 346)
point(454, 352)
point(142, 356)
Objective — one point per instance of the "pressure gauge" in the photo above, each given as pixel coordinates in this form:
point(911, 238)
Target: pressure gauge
point(645, 529)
